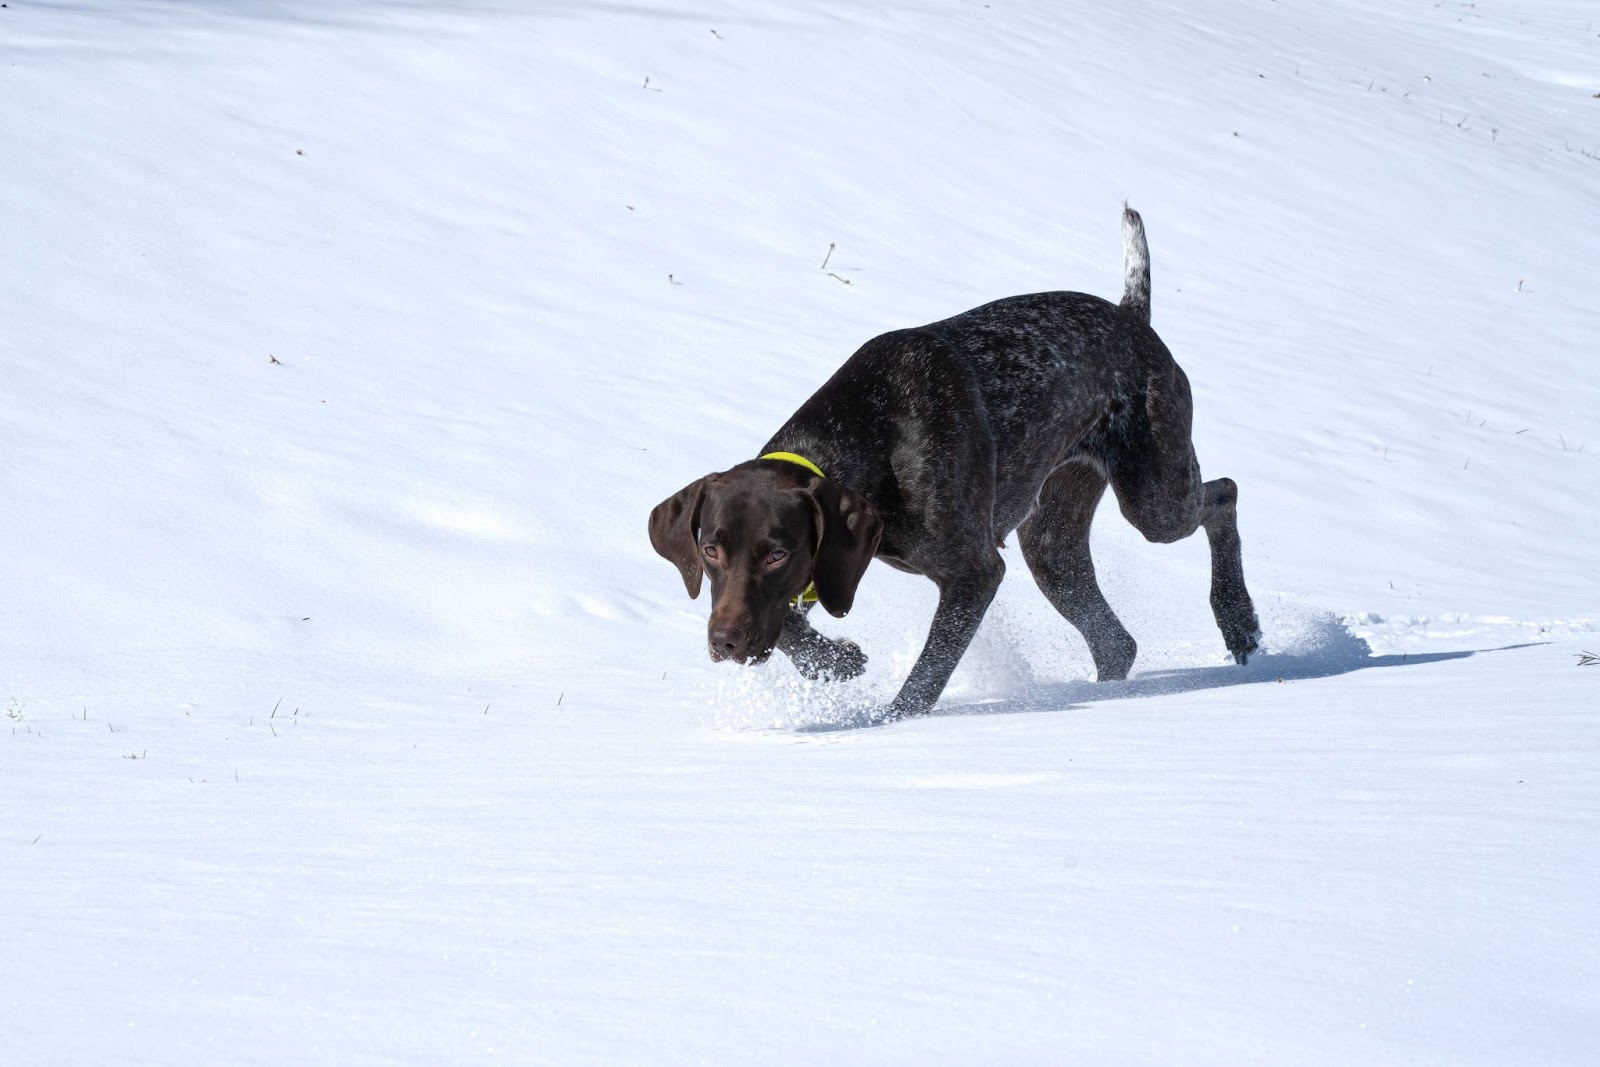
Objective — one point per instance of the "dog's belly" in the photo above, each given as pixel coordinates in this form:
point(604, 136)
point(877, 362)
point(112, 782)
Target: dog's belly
point(890, 552)
point(897, 563)
point(1024, 462)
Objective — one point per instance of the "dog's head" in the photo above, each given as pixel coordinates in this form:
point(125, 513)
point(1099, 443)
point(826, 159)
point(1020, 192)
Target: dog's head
point(762, 532)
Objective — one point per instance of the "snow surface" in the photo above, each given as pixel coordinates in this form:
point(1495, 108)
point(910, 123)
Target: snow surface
point(350, 717)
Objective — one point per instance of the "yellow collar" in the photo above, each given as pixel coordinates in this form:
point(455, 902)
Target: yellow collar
point(790, 457)
point(809, 596)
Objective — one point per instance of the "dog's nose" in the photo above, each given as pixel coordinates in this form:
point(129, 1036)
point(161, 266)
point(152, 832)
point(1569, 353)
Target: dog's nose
point(729, 640)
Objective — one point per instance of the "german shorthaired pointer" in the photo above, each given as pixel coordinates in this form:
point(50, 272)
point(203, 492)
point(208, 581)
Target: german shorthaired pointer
point(939, 441)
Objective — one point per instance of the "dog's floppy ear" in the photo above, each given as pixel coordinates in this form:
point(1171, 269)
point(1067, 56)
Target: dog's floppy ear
point(674, 525)
point(848, 528)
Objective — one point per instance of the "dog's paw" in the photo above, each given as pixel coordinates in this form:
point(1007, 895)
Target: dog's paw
point(1244, 643)
point(909, 705)
point(898, 711)
point(1113, 656)
point(832, 661)
point(848, 661)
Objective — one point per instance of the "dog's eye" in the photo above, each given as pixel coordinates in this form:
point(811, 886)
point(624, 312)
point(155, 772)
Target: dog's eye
point(776, 556)
point(712, 552)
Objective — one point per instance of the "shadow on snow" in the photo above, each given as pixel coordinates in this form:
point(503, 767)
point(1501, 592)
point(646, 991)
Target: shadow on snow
point(1335, 651)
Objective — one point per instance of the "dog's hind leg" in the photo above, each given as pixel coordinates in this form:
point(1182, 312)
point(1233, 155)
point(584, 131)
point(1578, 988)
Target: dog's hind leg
point(1055, 543)
point(1157, 481)
point(1230, 600)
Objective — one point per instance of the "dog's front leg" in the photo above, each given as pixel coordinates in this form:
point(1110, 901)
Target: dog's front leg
point(816, 656)
point(962, 603)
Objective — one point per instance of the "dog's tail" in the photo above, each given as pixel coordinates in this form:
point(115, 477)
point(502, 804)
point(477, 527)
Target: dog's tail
point(1135, 266)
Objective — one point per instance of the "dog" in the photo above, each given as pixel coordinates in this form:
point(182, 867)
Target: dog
point(926, 449)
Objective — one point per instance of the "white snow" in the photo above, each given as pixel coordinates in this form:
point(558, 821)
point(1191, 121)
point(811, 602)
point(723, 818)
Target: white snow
point(350, 717)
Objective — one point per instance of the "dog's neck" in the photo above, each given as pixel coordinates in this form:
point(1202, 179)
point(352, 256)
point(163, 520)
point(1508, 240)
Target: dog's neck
point(797, 459)
point(830, 454)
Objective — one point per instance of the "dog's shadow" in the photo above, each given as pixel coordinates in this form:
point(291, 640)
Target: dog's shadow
point(1337, 651)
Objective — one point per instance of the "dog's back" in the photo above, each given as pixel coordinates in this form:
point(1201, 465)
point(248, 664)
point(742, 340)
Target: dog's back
point(1056, 370)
